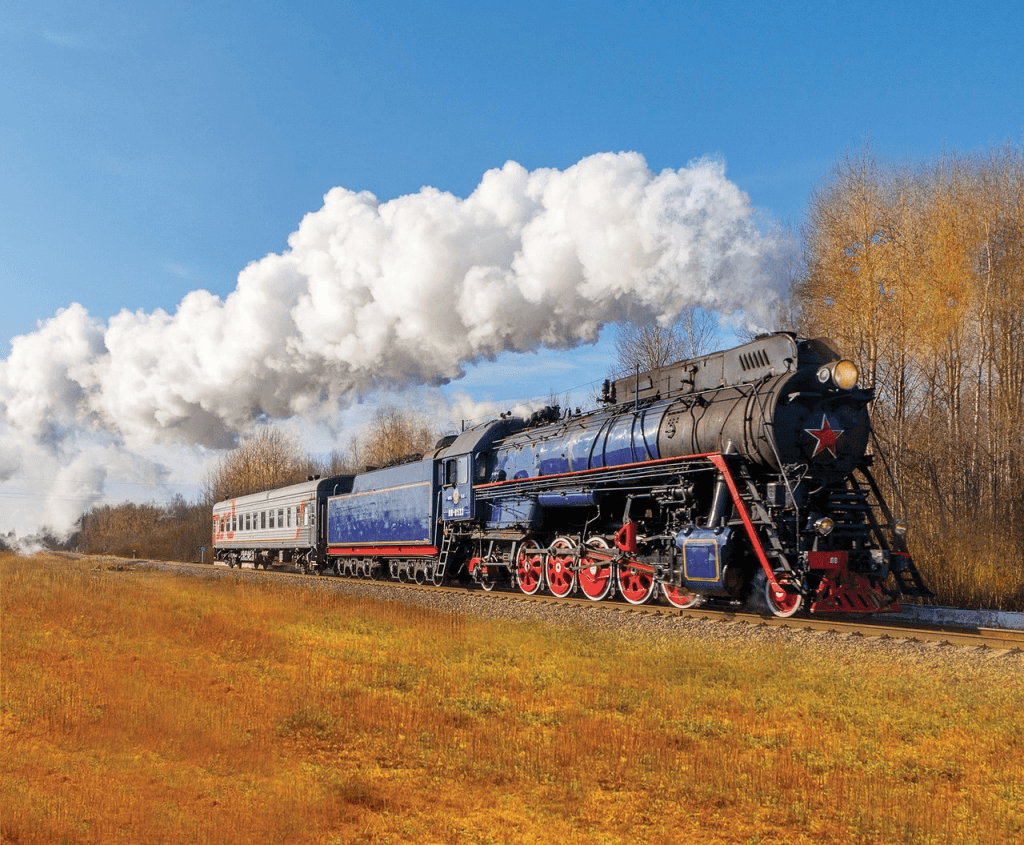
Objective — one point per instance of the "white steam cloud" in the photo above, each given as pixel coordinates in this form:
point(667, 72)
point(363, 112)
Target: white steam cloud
point(400, 292)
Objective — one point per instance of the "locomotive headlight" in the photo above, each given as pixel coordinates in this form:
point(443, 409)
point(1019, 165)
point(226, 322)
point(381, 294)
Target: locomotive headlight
point(899, 528)
point(845, 375)
point(824, 525)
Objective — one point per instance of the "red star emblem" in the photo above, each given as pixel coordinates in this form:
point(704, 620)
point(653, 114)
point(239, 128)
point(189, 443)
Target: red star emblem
point(826, 437)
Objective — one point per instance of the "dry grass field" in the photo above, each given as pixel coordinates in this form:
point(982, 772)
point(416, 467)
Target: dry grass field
point(142, 707)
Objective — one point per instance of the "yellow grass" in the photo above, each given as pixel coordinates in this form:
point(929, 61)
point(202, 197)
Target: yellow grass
point(148, 708)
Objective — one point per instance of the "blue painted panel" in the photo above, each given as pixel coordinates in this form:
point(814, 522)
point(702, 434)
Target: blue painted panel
point(580, 445)
point(567, 499)
point(511, 511)
point(700, 560)
point(387, 507)
point(705, 555)
point(618, 446)
point(602, 439)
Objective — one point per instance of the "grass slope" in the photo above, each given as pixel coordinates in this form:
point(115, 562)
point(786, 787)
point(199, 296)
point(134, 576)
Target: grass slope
point(144, 707)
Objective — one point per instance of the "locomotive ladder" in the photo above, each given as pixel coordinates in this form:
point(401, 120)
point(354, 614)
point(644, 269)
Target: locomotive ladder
point(907, 576)
point(447, 541)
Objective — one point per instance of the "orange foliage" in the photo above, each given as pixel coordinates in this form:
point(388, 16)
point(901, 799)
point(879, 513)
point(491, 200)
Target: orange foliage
point(920, 275)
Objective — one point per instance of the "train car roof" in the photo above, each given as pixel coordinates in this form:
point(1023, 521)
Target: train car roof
point(481, 436)
point(303, 488)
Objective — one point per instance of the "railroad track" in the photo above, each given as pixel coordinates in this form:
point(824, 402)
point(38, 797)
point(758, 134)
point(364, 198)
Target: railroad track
point(998, 639)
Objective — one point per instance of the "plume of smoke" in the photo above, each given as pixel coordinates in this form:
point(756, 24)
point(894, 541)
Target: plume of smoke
point(399, 292)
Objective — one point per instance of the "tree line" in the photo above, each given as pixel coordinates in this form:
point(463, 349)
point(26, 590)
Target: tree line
point(918, 273)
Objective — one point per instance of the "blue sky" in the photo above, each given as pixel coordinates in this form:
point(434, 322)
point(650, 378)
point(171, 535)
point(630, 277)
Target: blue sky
point(152, 149)
point(149, 148)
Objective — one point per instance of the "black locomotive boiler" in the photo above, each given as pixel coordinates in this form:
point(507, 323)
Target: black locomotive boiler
point(739, 476)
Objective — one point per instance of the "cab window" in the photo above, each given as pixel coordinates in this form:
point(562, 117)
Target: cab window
point(456, 471)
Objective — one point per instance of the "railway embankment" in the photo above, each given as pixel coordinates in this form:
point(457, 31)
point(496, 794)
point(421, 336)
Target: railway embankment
point(956, 617)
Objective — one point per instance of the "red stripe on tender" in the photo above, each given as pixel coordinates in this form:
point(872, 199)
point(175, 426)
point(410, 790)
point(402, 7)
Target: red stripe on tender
point(390, 551)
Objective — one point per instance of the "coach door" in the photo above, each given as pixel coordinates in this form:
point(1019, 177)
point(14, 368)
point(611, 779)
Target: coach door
point(457, 487)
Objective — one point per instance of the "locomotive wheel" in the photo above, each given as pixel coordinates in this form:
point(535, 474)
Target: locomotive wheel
point(595, 575)
point(680, 597)
point(635, 585)
point(488, 578)
point(530, 567)
point(561, 578)
point(785, 605)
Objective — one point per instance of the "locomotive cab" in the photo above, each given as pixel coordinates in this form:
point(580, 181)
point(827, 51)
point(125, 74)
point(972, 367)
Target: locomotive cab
point(463, 462)
point(457, 487)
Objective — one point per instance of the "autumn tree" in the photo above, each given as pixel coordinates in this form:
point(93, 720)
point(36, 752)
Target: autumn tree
point(177, 530)
point(392, 435)
point(269, 458)
point(649, 345)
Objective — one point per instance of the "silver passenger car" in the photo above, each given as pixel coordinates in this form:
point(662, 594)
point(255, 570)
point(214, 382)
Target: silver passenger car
point(275, 526)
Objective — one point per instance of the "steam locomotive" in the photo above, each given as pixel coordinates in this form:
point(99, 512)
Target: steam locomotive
point(743, 476)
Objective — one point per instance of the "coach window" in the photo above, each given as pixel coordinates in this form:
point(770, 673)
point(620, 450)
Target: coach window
point(263, 519)
point(280, 519)
point(288, 511)
point(271, 519)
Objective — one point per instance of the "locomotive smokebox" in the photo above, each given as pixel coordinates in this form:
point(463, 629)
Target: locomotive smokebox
point(771, 414)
